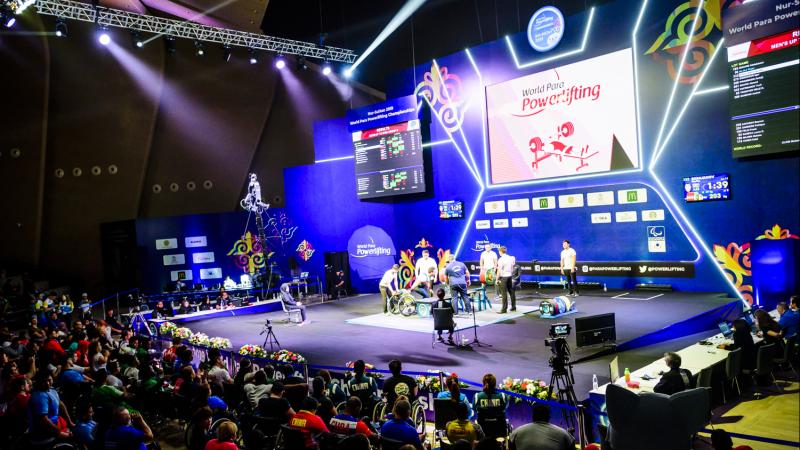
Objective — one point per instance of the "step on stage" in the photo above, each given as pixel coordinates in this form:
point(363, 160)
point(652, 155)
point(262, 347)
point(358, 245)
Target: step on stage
point(355, 328)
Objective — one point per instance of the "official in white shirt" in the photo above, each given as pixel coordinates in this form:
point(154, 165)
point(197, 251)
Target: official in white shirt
point(424, 264)
point(568, 267)
point(388, 286)
point(505, 272)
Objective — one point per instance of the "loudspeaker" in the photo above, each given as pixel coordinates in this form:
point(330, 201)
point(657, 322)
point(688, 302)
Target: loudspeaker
point(334, 262)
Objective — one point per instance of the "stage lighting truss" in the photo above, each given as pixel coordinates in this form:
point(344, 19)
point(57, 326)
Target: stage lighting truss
point(85, 12)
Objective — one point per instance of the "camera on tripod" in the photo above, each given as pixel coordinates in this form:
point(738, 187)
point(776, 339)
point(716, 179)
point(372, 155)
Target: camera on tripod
point(559, 346)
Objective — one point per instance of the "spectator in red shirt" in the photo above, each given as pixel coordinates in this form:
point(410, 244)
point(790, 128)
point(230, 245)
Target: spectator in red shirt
point(52, 348)
point(170, 355)
point(348, 423)
point(226, 433)
point(307, 422)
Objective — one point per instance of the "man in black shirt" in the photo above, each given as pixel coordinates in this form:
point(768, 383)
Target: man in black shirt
point(676, 379)
point(398, 384)
point(275, 406)
point(444, 304)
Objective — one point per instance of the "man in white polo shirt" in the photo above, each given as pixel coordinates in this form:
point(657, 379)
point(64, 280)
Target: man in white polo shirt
point(568, 268)
point(388, 286)
point(424, 265)
point(505, 271)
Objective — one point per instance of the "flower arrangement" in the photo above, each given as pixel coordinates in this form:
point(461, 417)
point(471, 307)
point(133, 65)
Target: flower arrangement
point(529, 387)
point(431, 383)
point(367, 368)
point(167, 328)
point(252, 350)
point(200, 339)
point(183, 333)
point(219, 342)
point(287, 357)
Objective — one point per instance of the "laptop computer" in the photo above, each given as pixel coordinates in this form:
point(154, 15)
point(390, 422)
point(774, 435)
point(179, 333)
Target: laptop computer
point(613, 369)
point(725, 329)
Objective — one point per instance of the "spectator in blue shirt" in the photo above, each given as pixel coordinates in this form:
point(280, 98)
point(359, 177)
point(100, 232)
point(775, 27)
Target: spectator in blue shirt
point(399, 428)
point(790, 317)
point(454, 392)
point(86, 427)
point(128, 432)
point(47, 415)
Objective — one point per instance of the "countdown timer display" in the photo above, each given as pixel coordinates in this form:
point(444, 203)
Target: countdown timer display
point(706, 188)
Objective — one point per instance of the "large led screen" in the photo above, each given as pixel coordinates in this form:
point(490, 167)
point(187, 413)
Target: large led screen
point(572, 120)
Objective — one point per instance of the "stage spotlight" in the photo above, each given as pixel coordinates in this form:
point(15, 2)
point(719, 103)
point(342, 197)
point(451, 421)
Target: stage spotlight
point(326, 68)
point(136, 39)
point(61, 28)
point(104, 38)
point(252, 54)
point(348, 73)
point(280, 62)
point(301, 63)
point(226, 52)
point(7, 19)
point(169, 43)
point(199, 48)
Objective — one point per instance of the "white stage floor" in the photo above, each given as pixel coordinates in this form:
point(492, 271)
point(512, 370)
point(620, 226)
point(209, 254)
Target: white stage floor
point(425, 324)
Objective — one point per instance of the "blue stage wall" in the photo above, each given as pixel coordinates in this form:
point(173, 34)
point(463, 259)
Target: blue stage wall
point(713, 237)
point(710, 241)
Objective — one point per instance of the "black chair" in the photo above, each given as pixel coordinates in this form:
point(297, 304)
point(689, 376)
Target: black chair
point(765, 363)
point(733, 368)
point(442, 321)
point(444, 411)
point(704, 378)
point(789, 349)
point(389, 444)
point(290, 439)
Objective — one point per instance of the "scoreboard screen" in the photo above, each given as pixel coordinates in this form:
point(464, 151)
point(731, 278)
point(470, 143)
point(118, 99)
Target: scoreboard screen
point(706, 188)
point(451, 209)
point(389, 160)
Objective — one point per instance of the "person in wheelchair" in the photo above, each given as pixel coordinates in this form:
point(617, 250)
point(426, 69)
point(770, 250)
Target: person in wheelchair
point(398, 384)
point(441, 303)
point(399, 427)
point(363, 387)
point(423, 284)
point(490, 408)
point(453, 392)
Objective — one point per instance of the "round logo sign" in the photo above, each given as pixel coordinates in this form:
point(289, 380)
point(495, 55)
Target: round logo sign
point(545, 28)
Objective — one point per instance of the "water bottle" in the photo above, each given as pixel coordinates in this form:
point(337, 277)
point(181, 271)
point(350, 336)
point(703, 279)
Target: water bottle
point(595, 385)
point(605, 288)
point(627, 375)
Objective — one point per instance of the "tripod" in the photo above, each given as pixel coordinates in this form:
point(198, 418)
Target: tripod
point(270, 339)
point(563, 380)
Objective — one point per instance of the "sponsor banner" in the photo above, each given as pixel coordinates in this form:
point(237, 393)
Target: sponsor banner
point(544, 203)
point(203, 257)
point(210, 273)
point(183, 275)
point(196, 241)
point(166, 244)
point(519, 205)
point(625, 216)
point(604, 198)
point(494, 207)
point(644, 269)
point(174, 260)
point(519, 222)
point(656, 239)
point(483, 224)
point(632, 196)
point(392, 111)
point(371, 251)
point(570, 201)
point(649, 215)
point(500, 223)
point(601, 217)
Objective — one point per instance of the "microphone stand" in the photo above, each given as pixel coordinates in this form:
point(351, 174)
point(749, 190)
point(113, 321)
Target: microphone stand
point(475, 341)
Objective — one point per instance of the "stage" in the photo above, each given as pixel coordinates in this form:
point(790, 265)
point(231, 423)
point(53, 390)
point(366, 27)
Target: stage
point(518, 349)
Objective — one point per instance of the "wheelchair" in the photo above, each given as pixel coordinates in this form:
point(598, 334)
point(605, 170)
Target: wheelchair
point(403, 303)
point(380, 411)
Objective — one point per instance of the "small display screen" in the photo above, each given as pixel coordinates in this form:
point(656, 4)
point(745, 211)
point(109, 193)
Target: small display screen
point(389, 160)
point(705, 188)
point(451, 209)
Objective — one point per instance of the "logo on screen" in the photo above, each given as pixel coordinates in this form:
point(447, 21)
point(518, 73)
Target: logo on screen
point(545, 29)
point(633, 196)
point(543, 203)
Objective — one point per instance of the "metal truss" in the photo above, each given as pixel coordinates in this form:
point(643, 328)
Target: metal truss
point(66, 9)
